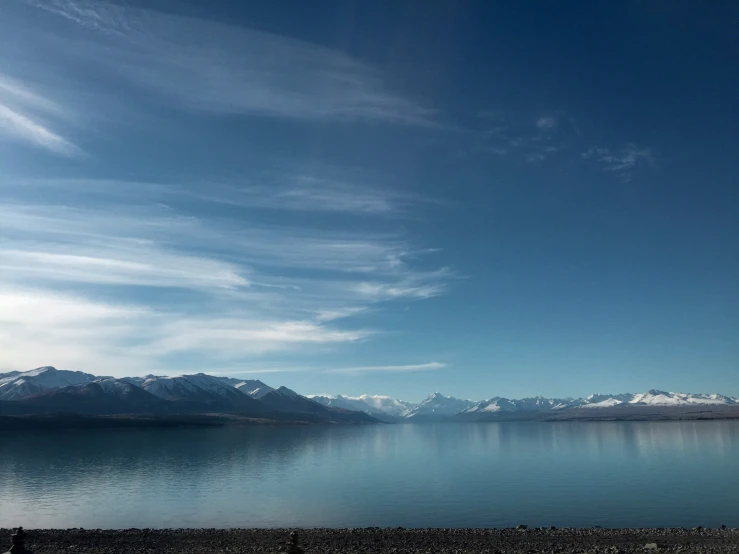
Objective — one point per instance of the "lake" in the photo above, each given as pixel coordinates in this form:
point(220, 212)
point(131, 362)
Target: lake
point(649, 474)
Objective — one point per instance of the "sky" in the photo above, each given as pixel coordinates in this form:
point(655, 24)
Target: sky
point(480, 198)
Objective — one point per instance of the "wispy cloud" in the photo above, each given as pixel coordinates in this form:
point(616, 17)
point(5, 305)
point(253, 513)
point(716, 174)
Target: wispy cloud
point(522, 137)
point(115, 337)
point(430, 366)
point(535, 158)
point(388, 291)
point(243, 371)
point(149, 279)
point(310, 193)
point(42, 327)
point(623, 161)
point(135, 266)
point(152, 247)
point(99, 16)
point(215, 67)
point(17, 92)
point(22, 118)
point(546, 122)
point(340, 313)
point(306, 192)
point(235, 336)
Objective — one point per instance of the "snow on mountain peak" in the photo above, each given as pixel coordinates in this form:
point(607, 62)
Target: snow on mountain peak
point(43, 369)
point(187, 386)
point(437, 405)
point(17, 385)
point(253, 387)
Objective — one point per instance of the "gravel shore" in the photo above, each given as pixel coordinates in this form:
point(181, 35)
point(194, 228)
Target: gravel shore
point(370, 540)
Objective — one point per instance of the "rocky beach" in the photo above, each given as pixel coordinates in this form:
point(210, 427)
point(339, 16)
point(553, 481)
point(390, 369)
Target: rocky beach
point(377, 540)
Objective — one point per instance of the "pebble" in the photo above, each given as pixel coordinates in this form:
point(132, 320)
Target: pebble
point(376, 540)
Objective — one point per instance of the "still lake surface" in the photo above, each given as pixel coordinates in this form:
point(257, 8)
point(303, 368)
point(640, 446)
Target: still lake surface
point(446, 475)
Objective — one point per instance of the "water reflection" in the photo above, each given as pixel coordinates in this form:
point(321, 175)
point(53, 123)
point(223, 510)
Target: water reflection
point(662, 473)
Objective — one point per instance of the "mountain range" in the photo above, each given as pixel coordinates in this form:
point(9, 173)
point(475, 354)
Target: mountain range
point(47, 390)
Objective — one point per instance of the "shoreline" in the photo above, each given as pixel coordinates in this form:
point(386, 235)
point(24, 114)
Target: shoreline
point(34, 422)
point(380, 540)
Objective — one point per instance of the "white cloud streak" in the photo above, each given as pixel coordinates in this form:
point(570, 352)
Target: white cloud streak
point(214, 67)
point(311, 194)
point(23, 128)
point(390, 368)
point(155, 236)
point(40, 327)
point(144, 267)
point(242, 371)
point(227, 290)
point(340, 313)
point(15, 90)
point(386, 291)
point(623, 161)
point(546, 122)
point(242, 336)
point(530, 140)
point(274, 191)
point(23, 112)
point(43, 327)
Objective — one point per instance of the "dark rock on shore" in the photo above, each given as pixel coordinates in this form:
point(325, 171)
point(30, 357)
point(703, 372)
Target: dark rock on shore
point(376, 540)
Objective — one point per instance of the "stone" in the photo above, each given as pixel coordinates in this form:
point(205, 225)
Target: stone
point(651, 546)
point(292, 544)
point(522, 527)
point(17, 540)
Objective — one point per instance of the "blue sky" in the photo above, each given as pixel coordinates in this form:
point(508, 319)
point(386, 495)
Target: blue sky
point(373, 197)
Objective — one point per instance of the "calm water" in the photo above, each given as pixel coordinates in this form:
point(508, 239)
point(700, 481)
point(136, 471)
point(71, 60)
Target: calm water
point(448, 475)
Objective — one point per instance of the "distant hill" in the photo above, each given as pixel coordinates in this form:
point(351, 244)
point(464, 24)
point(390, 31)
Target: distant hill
point(107, 397)
point(289, 401)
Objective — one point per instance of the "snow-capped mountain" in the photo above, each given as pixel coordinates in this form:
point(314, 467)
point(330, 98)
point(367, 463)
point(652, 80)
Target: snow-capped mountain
point(371, 404)
point(118, 388)
point(287, 400)
point(344, 402)
point(386, 404)
point(603, 400)
point(358, 405)
point(650, 398)
point(253, 387)
point(201, 392)
point(437, 406)
point(535, 404)
point(503, 408)
point(111, 396)
point(17, 385)
point(186, 387)
point(656, 398)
